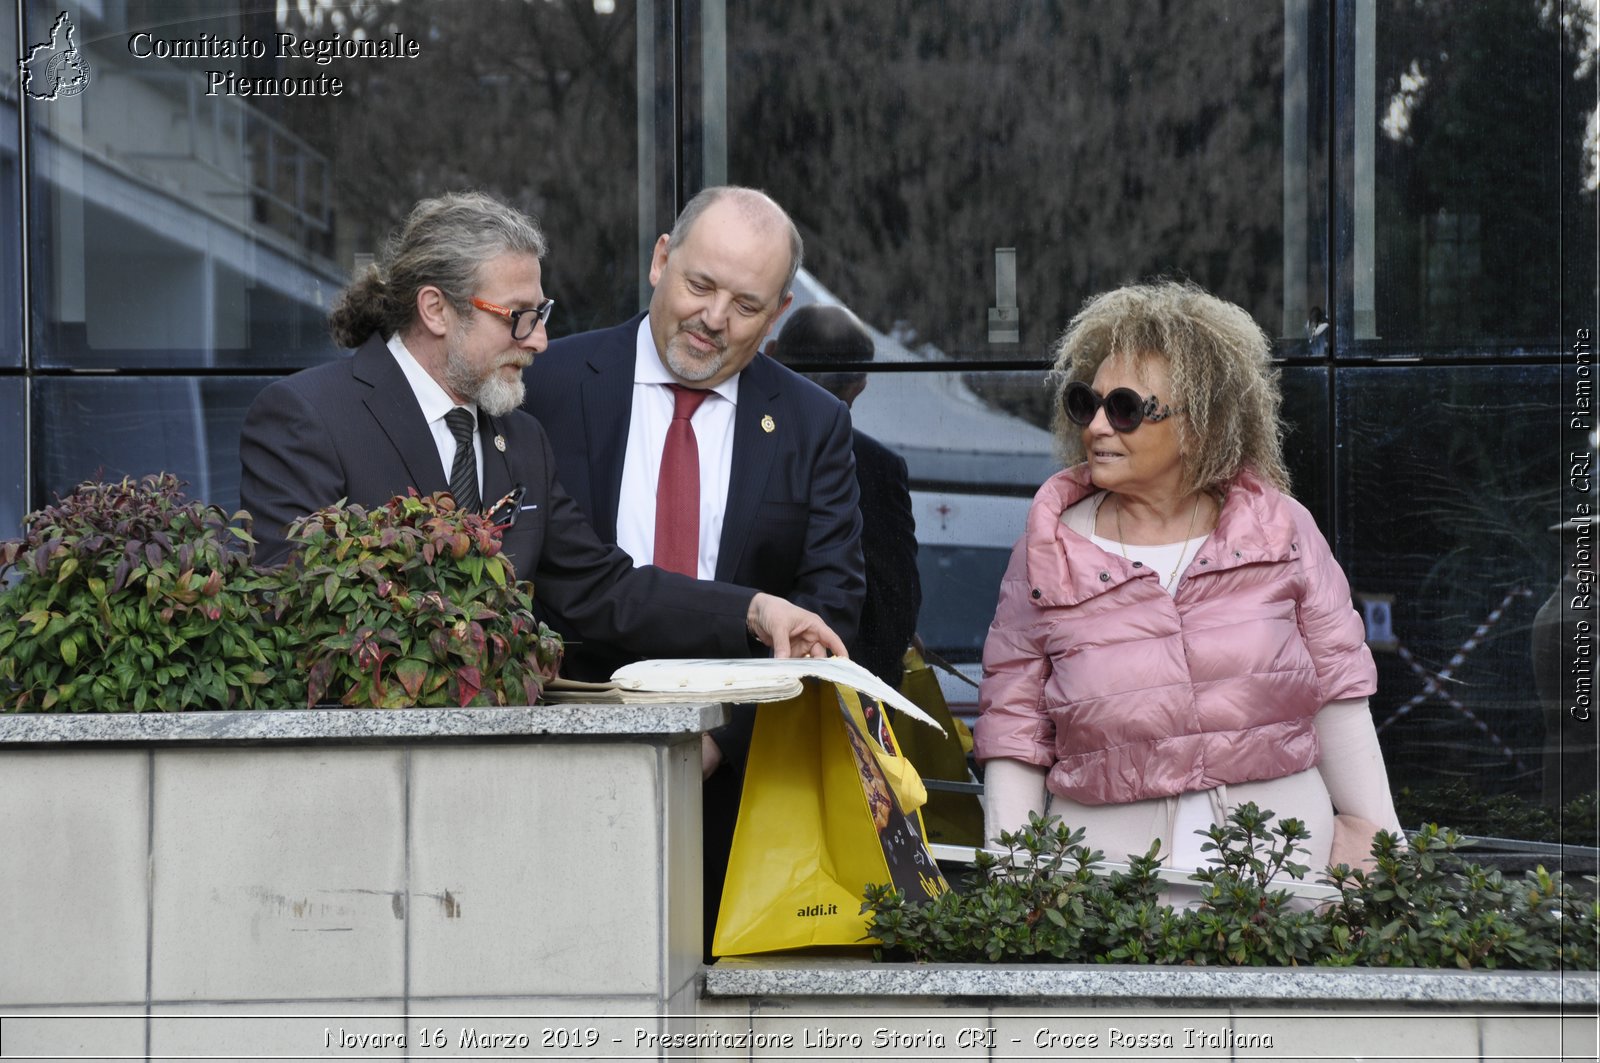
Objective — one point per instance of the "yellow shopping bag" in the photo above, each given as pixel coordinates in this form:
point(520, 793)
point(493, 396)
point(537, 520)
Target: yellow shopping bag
point(829, 805)
point(952, 818)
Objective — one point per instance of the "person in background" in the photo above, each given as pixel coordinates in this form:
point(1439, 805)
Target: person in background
point(832, 336)
point(1174, 637)
point(443, 325)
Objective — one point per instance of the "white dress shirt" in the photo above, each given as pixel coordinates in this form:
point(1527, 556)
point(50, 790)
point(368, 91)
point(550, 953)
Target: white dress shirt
point(647, 436)
point(435, 403)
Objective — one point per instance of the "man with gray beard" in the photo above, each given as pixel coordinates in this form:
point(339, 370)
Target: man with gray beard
point(775, 498)
point(443, 325)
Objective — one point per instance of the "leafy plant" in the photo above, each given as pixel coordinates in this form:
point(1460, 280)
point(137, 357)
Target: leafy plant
point(409, 604)
point(127, 597)
point(1243, 920)
point(1034, 906)
point(1422, 906)
point(1040, 900)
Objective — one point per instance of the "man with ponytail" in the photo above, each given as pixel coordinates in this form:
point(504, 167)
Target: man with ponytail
point(442, 325)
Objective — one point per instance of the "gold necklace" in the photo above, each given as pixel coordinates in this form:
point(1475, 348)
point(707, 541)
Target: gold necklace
point(1188, 533)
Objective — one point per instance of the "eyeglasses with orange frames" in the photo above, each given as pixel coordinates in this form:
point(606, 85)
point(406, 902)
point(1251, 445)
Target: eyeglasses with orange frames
point(523, 322)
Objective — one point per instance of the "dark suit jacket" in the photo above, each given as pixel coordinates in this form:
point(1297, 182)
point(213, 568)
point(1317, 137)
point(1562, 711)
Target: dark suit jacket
point(352, 429)
point(889, 541)
point(792, 526)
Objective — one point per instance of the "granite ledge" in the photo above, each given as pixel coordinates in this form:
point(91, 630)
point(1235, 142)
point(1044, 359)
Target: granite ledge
point(591, 720)
point(831, 977)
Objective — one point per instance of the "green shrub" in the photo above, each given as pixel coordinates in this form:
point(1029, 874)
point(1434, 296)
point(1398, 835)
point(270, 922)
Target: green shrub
point(408, 604)
point(1421, 906)
point(1242, 919)
point(126, 598)
point(1424, 906)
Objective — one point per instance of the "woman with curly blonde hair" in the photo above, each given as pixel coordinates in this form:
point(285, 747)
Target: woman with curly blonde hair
point(1174, 637)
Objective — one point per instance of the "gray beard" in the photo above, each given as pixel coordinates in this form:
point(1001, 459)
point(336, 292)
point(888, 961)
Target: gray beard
point(694, 370)
point(498, 396)
point(493, 394)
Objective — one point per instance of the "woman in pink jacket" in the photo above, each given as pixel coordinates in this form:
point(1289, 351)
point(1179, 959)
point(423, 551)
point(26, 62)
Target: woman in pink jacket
point(1174, 637)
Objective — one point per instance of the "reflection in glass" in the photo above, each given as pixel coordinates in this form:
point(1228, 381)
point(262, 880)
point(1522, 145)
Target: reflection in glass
point(977, 449)
point(8, 41)
point(1474, 186)
point(970, 432)
point(98, 428)
point(1447, 490)
point(1305, 442)
point(936, 146)
point(13, 477)
point(176, 224)
point(10, 199)
point(960, 589)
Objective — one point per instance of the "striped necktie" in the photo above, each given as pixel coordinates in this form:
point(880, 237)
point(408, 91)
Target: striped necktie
point(464, 472)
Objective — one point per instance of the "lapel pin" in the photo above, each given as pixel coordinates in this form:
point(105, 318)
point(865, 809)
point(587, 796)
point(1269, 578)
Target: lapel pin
point(500, 444)
point(767, 423)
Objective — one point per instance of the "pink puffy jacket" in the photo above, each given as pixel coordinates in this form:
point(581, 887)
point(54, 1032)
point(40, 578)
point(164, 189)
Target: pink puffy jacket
point(1125, 692)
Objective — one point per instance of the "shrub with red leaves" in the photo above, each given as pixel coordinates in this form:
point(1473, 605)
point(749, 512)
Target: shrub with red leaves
point(410, 604)
point(127, 597)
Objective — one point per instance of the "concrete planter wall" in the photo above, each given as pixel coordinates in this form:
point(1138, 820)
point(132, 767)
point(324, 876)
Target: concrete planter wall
point(526, 882)
point(951, 1011)
point(308, 884)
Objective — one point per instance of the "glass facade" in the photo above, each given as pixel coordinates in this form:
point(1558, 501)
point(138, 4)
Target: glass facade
point(13, 387)
point(970, 173)
point(180, 224)
point(13, 455)
point(1462, 567)
point(1401, 192)
point(10, 203)
point(1471, 184)
point(137, 425)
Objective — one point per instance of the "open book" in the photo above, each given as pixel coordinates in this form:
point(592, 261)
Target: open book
point(735, 679)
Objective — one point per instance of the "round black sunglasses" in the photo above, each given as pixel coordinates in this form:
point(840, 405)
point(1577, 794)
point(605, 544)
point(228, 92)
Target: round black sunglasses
point(1125, 408)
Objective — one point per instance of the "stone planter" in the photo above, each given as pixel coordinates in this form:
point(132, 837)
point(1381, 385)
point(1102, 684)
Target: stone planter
point(526, 883)
point(301, 884)
point(852, 1008)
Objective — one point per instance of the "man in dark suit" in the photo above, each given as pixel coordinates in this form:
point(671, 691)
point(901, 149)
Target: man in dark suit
point(775, 499)
point(832, 339)
point(443, 327)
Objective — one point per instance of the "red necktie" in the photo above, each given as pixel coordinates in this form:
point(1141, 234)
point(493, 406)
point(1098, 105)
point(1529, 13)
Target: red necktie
point(678, 489)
